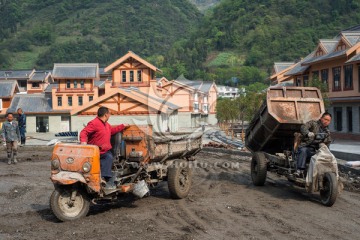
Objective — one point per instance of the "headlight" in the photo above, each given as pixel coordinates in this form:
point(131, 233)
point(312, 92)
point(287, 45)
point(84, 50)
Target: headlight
point(86, 167)
point(55, 164)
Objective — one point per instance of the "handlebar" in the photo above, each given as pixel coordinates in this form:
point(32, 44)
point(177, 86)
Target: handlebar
point(319, 137)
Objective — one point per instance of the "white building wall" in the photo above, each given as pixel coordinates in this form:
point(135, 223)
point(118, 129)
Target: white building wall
point(212, 120)
point(184, 119)
point(54, 124)
point(174, 124)
point(30, 124)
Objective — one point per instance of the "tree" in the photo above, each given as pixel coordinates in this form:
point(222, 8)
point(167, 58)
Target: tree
point(253, 103)
point(226, 110)
point(324, 89)
point(257, 87)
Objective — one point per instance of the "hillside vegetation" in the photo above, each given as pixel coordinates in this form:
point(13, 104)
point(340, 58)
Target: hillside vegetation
point(89, 30)
point(235, 39)
point(204, 5)
point(254, 34)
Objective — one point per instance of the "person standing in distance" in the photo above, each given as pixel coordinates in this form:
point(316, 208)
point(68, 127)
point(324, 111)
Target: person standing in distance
point(11, 135)
point(22, 125)
point(98, 132)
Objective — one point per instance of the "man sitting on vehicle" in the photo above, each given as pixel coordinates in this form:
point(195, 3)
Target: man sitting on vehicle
point(314, 135)
point(98, 132)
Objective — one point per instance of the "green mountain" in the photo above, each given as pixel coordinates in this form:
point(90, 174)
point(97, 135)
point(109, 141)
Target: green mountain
point(37, 33)
point(204, 5)
point(234, 39)
point(242, 38)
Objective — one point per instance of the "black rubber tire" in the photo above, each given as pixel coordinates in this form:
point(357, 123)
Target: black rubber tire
point(58, 204)
point(330, 191)
point(258, 169)
point(179, 179)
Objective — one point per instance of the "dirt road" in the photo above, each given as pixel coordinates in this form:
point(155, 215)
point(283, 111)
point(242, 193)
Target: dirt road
point(223, 204)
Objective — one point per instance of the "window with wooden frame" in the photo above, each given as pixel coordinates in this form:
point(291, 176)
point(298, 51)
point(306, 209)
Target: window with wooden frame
point(131, 76)
point(59, 101)
point(123, 76)
point(341, 46)
point(91, 98)
point(80, 100)
point(196, 106)
point(298, 81)
point(35, 85)
point(336, 78)
point(82, 83)
point(325, 77)
point(70, 103)
point(68, 84)
point(75, 84)
point(348, 77)
point(319, 52)
point(139, 75)
point(306, 80)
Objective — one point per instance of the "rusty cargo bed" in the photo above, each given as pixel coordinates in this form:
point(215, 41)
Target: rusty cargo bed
point(158, 147)
point(281, 115)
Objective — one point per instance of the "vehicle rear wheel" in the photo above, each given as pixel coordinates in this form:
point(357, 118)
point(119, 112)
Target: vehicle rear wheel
point(64, 208)
point(179, 179)
point(258, 169)
point(329, 192)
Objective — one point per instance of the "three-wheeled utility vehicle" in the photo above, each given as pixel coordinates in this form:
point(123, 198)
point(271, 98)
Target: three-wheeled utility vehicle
point(141, 159)
point(273, 137)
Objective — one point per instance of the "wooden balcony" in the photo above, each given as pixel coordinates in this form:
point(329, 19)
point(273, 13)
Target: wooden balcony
point(130, 84)
point(74, 90)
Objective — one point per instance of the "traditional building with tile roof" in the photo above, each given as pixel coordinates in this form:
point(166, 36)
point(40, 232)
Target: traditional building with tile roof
point(197, 100)
point(38, 81)
point(21, 76)
point(8, 89)
point(336, 62)
point(68, 98)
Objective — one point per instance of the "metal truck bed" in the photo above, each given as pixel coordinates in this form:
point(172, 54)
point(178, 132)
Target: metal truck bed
point(142, 144)
point(281, 115)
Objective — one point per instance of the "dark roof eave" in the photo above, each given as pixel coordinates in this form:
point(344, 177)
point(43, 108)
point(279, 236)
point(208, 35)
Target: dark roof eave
point(323, 60)
point(295, 74)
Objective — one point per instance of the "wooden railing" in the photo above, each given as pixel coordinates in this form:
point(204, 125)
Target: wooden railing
point(73, 90)
point(130, 84)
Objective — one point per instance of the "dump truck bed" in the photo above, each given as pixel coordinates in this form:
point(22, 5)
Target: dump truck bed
point(158, 147)
point(281, 115)
point(183, 145)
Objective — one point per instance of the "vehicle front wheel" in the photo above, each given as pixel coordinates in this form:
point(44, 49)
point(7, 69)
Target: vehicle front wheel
point(67, 209)
point(258, 169)
point(329, 191)
point(179, 179)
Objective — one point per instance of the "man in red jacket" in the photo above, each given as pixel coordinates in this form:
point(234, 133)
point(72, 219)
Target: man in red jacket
point(98, 132)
